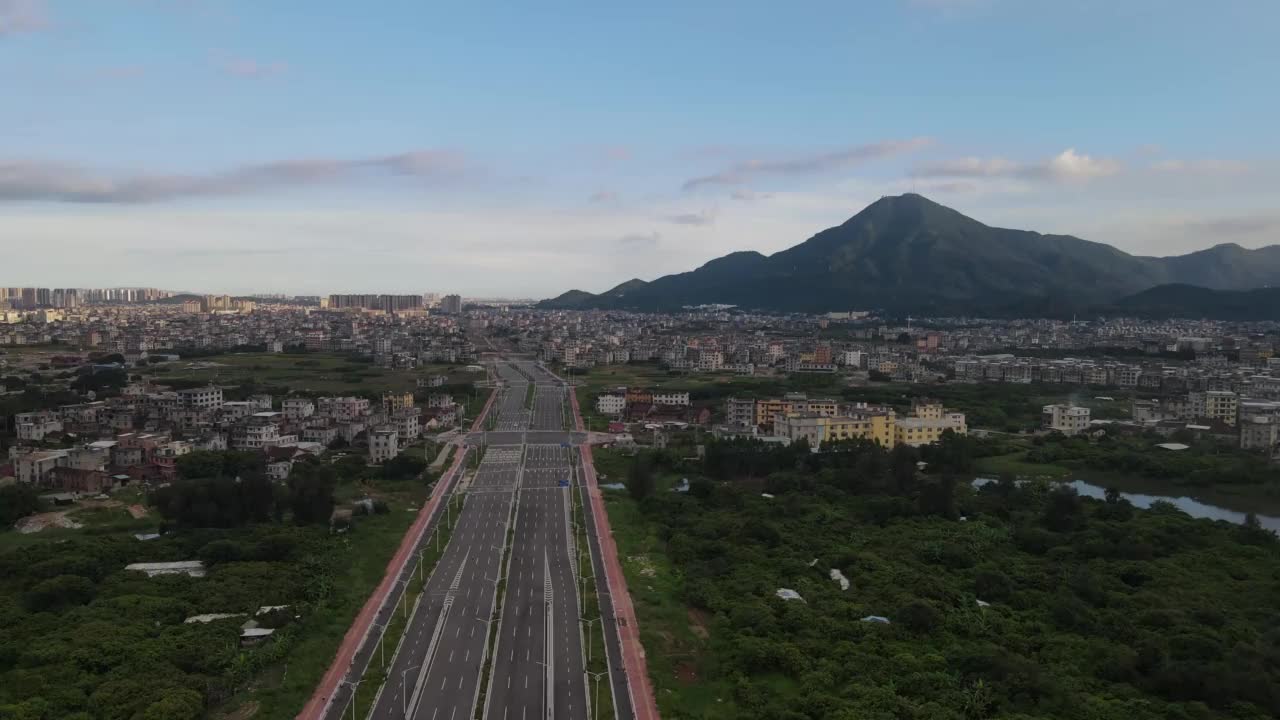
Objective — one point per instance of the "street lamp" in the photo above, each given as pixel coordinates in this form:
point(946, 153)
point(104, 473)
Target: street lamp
point(382, 643)
point(355, 688)
point(595, 705)
point(589, 636)
point(404, 696)
point(404, 599)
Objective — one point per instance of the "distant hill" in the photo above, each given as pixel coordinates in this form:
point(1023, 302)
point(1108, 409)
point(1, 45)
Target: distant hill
point(909, 254)
point(1188, 301)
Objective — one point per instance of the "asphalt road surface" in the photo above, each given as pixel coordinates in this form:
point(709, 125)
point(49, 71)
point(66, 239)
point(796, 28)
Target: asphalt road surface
point(538, 660)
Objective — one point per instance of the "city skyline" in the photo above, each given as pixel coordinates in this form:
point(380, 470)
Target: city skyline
point(226, 147)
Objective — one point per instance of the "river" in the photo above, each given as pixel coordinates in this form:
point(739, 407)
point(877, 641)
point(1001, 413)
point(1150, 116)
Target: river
point(1194, 507)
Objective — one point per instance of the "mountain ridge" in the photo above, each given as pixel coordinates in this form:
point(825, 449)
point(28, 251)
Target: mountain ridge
point(907, 253)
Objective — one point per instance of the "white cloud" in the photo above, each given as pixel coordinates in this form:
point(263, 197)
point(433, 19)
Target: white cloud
point(1201, 167)
point(746, 170)
point(56, 182)
point(1068, 166)
point(702, 217)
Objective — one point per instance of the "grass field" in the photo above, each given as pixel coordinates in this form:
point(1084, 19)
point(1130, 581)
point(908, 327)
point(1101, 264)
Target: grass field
point(313, 372)
point(676, 638)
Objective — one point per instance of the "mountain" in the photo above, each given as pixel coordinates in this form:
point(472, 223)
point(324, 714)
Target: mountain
point(580, 299)
point(1189, 301)
point(909, 254)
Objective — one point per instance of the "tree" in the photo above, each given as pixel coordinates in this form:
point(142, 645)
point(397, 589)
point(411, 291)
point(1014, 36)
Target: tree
point(640, 481)
point(311, 492)
point(60, 591)
point(403, 467)
point(17, 500)
point(1063, 510)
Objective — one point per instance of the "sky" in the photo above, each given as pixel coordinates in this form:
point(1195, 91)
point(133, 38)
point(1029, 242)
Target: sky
point(511, 149)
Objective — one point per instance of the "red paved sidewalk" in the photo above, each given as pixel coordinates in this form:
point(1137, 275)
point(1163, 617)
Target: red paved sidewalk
point(633, 660)
point(319, 702)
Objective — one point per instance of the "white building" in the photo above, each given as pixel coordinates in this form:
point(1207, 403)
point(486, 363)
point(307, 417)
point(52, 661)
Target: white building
point(205, 398)
point(384, 444)
point(1066, 419)
point(671, 398)
point(343, 408)
point(407, 423)
point(298, 409)
point(611, 404)
point(710, 360)
point(34, 426)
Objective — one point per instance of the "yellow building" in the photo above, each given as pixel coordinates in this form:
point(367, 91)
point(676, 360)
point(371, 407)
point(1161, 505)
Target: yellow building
point(926, 424)
point(867, 423)
point(391, 402)
point(794, 404)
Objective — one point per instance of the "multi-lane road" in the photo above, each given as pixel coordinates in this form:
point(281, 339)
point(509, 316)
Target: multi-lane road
point(516, 506)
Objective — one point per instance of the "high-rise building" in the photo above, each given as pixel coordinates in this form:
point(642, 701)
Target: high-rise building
point(451, 304)
point(385, 303)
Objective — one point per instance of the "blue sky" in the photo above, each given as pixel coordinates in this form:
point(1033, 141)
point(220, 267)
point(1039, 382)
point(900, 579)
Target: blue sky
point(522, 148)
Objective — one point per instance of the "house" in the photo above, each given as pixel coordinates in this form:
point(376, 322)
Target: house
point(1066, 419)
point(85, 482)
point(384, 444)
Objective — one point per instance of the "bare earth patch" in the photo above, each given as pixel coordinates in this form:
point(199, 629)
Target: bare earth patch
point(698, 623)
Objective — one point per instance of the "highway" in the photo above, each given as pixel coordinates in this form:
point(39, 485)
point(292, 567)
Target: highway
point(522, 485)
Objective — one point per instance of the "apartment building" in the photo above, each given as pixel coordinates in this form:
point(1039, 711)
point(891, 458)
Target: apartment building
point(407, 423)
point(34, 426)
point(384, 444)
point(391, 402)
point(205, 398)
point(297, 409)
point(740, 412)
point(793, 403)
point(671, 398)
point(1066, 419)
point(611, 403)
point(342, 408)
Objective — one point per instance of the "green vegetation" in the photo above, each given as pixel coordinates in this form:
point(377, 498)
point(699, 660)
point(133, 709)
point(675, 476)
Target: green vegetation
point(593, 633)
point(316, 373)
point(85, 639)
point(1016, 464)
point(1204, 464)
point(1089, 608)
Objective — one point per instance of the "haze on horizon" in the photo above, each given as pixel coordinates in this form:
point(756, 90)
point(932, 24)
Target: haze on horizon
point(234, 146)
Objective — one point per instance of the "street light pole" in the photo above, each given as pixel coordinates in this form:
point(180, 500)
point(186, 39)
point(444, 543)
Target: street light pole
point(382, 643)
point(595, 705)
point(404, 696)
point(355, 690)
point(589, 635)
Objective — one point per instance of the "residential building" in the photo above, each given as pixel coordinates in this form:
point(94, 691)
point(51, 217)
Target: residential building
point(1066, 419)
point(740, 412)
point(671, 398)
point(297, 409)
point(205, 398)
point(34, 426)
point(384, 444)
point(611, 403)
